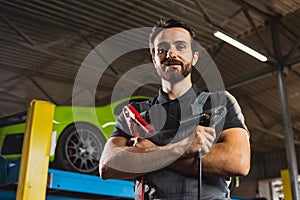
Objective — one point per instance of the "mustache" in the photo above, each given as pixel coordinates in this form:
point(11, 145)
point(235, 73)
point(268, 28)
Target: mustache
point(172, 62)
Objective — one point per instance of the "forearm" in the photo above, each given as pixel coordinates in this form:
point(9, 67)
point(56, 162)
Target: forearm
point(229, 164)
point(187, 166)
point(212, 165)
point(106, 172)
point(229, 157)
point(119, 161)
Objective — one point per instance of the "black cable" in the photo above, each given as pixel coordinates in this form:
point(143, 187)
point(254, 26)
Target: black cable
point(200, 176)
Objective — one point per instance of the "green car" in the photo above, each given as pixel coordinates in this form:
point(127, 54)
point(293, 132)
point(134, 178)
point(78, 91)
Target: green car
point(80, 133)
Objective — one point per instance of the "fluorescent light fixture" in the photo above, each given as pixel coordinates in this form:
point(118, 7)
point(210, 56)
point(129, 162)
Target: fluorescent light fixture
point(240, 46)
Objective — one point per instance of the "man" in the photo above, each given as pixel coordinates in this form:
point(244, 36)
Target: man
point(169, 161)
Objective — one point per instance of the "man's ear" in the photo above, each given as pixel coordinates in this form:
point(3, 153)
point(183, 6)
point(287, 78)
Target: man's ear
point(195, 58)
point(153, 60)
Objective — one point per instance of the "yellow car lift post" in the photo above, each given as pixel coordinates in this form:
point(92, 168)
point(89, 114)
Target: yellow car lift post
point(287, 190)
point(32, 181)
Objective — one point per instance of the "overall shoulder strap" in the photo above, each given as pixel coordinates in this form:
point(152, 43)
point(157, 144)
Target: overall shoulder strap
point(197, 106)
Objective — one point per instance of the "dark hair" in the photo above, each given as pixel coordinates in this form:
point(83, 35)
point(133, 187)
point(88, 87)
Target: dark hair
point(172, 23)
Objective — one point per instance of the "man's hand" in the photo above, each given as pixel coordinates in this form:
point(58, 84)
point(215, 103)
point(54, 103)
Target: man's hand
point(202, 142)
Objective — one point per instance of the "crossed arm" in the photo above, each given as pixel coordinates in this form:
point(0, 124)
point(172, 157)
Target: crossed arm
point(230, 156)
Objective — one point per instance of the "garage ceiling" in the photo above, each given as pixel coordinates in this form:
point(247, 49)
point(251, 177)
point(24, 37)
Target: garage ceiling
point(43, 44)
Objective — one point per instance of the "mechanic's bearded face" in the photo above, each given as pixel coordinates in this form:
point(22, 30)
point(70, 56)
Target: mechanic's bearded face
point(173, 57)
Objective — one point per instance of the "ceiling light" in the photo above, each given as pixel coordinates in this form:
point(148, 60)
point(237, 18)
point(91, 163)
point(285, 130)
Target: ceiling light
point(240, 46)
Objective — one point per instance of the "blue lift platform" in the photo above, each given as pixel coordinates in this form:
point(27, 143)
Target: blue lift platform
point(65, 185)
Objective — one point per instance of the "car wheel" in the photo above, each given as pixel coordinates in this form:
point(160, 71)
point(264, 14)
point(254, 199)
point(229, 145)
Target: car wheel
point(79, 149)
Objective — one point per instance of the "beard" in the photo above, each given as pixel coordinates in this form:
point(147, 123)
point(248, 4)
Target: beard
point(175, 75)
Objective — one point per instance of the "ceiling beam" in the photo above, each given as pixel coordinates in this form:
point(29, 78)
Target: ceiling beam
point(231, 17)
point(100, 56)
point(9, 95)
point(254, 9)
point(41, 89)
point(18, 31)
point(23, 72)
point(250, 78)
point(250, 19)
point(274, 134)
point(292, 50)
point(293, 61)
point(11, 78)
point(203, 11)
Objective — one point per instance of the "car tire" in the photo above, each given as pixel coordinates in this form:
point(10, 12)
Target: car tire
point(79, 149)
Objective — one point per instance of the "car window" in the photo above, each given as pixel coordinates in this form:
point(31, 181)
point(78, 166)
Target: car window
point(12, 144)
point(16, 118)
